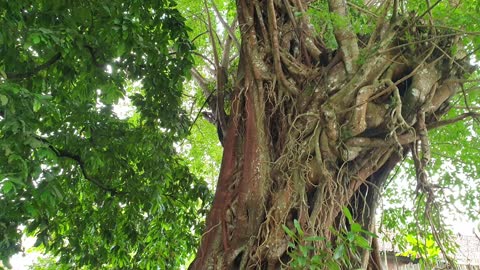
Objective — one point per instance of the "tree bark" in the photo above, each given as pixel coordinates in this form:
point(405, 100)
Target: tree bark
point(313, 129)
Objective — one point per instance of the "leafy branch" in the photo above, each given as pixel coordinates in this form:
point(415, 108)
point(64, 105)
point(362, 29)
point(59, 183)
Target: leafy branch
point(24, 75)
point(61, 153)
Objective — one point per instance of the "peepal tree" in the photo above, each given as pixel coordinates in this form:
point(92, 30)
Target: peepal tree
point(315, 103)
point(319, 117)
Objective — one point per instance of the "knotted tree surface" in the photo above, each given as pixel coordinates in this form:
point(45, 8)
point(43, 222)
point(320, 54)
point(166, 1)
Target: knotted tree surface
point(313, 129)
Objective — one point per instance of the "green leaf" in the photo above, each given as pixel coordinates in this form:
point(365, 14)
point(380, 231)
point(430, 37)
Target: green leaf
point(332, 265)
point(303, 250)
point(350, 236)
point(347, 214)
point(355, 227)
point(339, 252)
point(315, 238)
point(3, 100)
point(7, 186)
point(36, 105)
point(35, 38)
point(301, 261)
point(289, 232)
point(92, 169)
point(298, 227)
point(362, 242)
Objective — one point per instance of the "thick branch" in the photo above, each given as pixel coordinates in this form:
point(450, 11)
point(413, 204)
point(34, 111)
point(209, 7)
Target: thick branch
point(346, 38)
point(35, 70)
point(453, 120)
point(81, 164)
point(211, 36)
point(206, 59)
point(404, 139)
point(273, 28)
point(65, 154)
point(231, 34)
point(380, 25)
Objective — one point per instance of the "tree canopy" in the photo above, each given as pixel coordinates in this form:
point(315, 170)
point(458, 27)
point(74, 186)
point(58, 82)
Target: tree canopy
point(101, 187)
point(93, 187)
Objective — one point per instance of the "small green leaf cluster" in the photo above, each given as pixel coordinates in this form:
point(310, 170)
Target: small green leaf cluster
point(339, 255)
point(324, 21)
point(302, 247)
point(410, 233)
point(426, 249)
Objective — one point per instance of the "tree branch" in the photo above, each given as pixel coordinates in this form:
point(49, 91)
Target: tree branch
point(346, 38)
point(417, 18)
point(273, 28)
point(65, 154)
point(380, 25)
point(226, 26)
point(199, 35)
point(200, 112)
point(221, 73)
point(206, 59)
point(211, 35)
point(403, 139)
point(202, 82)
point(24, 75)
point(81, 164)
point(361, 9)
point(453, 120)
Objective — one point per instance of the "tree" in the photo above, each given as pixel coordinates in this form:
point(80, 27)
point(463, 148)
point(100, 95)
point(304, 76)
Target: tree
point(328, 98)
point(94, 188)
point(315, 103)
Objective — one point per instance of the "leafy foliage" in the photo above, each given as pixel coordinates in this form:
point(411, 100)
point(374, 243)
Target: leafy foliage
point(426, 249)
point(204, 152)
point(454, 169)
point(349, 242)
point(96, 190)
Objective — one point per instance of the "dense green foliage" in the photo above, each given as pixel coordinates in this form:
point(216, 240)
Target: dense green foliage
point(93, 188)
point(351, 242)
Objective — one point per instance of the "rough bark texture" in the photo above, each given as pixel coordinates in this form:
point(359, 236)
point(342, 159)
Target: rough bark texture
point(312, 129)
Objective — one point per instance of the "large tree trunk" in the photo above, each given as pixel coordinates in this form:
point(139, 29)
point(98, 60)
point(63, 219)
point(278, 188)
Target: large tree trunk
point(312, 129)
